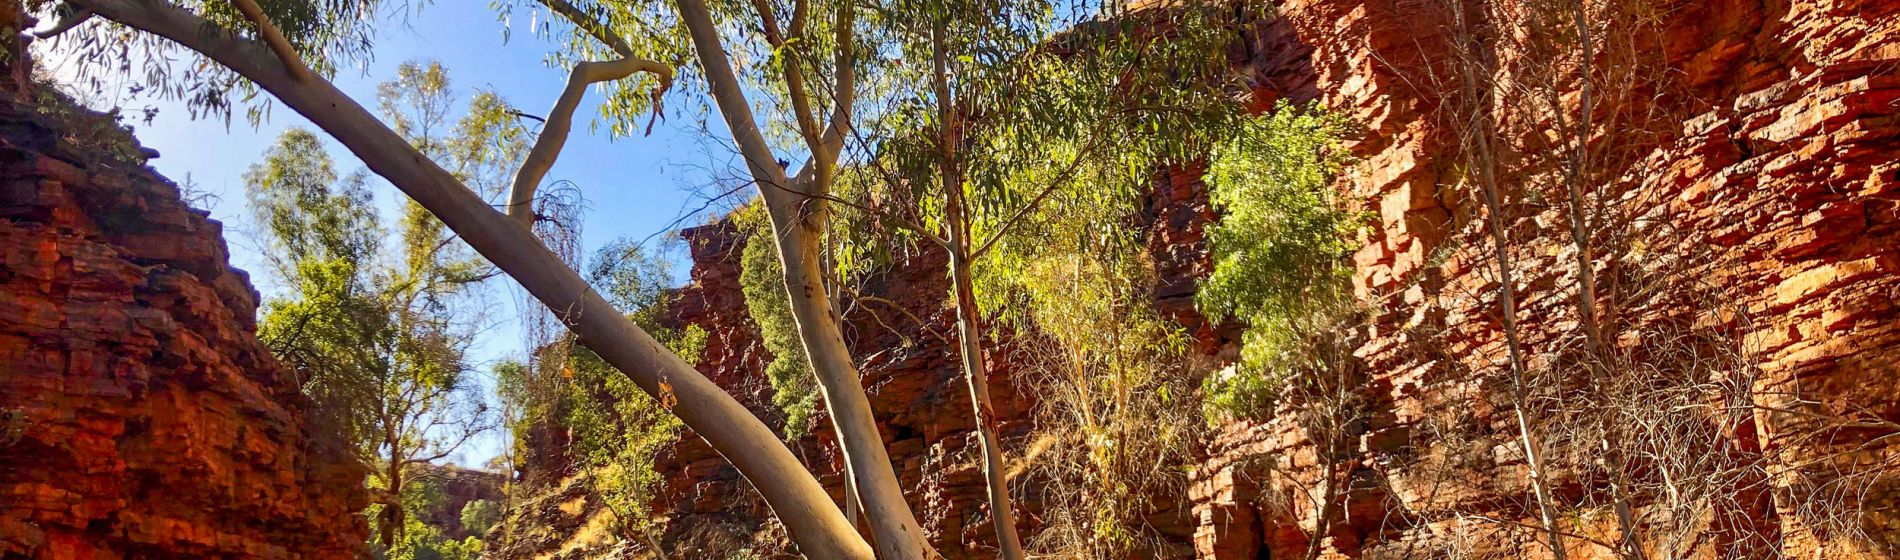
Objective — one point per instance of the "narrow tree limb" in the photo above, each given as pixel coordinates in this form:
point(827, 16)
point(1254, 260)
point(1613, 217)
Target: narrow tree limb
point(843, 94)
point(547, 146)
point(769, 23)
point(808, 512)
point(591, 26)
point(792, 68)
point(286, 54)
point(66, 22)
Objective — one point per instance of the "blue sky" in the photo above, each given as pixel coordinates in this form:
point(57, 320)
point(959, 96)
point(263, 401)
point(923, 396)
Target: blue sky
point(634, 187)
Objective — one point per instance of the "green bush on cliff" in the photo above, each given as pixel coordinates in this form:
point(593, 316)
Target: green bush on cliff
point(1280, 248)
point(794, 389)
point(614, 429)
point(480, 515)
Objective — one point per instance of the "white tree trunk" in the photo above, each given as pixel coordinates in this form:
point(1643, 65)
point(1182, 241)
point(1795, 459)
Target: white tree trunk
point(798, 219)
point(809, 515)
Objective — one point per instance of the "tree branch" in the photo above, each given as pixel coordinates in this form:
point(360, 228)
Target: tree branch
point(274, 38)
point(547, 146)
point(66, 22)
point(790, 65)
point(843, 94)
point(811, 517)
point(591, 26)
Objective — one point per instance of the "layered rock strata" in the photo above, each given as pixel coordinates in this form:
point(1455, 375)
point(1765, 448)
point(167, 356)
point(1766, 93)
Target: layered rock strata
point(140, 417)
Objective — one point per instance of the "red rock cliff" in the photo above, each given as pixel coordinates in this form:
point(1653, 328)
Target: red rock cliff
point(142, 417)
point(1771, 180)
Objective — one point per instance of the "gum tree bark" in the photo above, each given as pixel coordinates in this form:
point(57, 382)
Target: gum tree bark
point(809, 515)
point(797, 208)
point(969, 330)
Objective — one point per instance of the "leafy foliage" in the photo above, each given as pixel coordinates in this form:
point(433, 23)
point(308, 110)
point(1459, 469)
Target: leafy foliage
point(1279, 249)
point(1023, 136)
point(479, 515)
point(794, 390)
point(1044, 102)
point(618, 431)
point(381, 348)
point(380, 332)
point(423, 541)
point(616, 428)
point(482, 148)
point(1116, 420)
point(1114, 379)
point(328, 35)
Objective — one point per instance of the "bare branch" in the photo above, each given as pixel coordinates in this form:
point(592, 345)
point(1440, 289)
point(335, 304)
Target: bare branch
point(547, 147)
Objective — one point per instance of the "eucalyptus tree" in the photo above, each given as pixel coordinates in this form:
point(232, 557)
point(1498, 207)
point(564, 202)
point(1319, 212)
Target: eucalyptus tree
point(994, 107)
point(383, 331)
point(289, 50)
point(799, 60)
point(380, 342)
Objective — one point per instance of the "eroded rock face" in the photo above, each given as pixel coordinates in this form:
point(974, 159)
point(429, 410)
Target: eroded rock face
point(1772, 186)
point(143, 419)
point(1767, 174)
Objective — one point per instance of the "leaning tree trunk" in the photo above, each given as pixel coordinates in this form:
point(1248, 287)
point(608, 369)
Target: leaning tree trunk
point(809, 515)
point(797, 211)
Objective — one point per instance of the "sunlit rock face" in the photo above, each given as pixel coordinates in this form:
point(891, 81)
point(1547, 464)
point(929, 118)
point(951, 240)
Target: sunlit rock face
point(142, 417)
point(1766, 173)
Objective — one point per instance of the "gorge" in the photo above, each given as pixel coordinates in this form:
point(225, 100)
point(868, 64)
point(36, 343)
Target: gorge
point(1747, 230)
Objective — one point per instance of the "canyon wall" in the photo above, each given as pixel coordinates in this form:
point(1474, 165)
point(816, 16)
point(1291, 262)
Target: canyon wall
point(1759, 206)
point(914, 383)
point(1766, 184)
point(140, 417)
